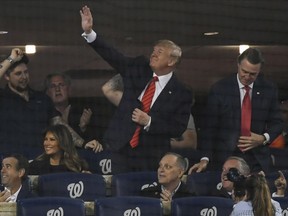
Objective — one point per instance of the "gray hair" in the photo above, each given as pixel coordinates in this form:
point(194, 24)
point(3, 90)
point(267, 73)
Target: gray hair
point(182, 162)
point(47, 81)
point(244, 168)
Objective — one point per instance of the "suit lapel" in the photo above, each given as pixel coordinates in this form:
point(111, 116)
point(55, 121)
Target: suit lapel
point(165, 95)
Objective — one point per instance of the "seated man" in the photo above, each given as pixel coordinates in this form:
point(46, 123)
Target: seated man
point(243, 169)
point(227, 186)
point(171, 169)
point(14, 179)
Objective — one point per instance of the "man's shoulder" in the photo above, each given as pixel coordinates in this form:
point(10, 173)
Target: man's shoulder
point(223, 84)
point(264, 83)
point(39, 96)
point(180, 86)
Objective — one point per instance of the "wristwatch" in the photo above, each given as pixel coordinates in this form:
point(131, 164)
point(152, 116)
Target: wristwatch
point(10, 60)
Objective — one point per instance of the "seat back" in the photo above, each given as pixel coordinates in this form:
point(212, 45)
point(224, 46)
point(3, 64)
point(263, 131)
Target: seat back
point(50, 206)
point(128, 206)
point(100, 163)
point(204, 184)
point(131, 184)
point(204, 206)
point(74, 185)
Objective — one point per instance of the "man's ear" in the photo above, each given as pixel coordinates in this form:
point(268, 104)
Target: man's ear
point(172, 62)
point(181, 173)
point(6, 77)
point(21, 172)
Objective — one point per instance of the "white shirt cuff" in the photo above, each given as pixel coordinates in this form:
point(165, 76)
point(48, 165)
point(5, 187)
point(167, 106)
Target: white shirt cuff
point(204, 158)
point(148, 125)
point(266, 135)
point(90, 37)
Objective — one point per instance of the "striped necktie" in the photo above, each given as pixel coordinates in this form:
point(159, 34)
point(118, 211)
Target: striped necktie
point(146, 104)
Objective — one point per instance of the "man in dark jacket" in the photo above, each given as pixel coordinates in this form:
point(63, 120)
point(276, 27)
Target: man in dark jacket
point(14, 179)
point(168, 111)
point(171, 169)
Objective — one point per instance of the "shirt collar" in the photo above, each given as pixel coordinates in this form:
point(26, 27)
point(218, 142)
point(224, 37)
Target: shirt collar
point(173, 192)
point(164, 79)
point(13, 197)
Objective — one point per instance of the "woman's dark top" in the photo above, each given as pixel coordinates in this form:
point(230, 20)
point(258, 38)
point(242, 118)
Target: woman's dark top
point(40, 167)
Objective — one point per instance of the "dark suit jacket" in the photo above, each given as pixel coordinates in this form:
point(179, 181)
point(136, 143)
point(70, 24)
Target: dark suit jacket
point(223, 119)
point(169, 113)
point(220, 193)
point(25, 191)
point(155, 191)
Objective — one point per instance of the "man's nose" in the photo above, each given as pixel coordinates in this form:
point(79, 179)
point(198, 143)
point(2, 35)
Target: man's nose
point(24, 75)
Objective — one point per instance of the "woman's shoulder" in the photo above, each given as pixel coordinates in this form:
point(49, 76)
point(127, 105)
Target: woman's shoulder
point(37, 166)
point(242, 208)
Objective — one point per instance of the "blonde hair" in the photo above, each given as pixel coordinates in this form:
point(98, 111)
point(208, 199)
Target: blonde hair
point(176, 51)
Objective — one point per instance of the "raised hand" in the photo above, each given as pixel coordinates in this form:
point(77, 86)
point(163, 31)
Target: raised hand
point(16, 54)
point(86, 19)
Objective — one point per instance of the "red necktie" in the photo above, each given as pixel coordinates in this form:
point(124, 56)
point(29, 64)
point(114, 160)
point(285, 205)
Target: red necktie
point(146, 103)
point(246, 113)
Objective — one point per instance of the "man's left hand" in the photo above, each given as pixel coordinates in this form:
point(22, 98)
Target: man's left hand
point(249, 142)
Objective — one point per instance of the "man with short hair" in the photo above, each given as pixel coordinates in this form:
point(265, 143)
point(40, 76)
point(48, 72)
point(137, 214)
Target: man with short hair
point(244, 170)
point(79, 116)
point(242, 117)
point(227, 186)
point(171, 169)
point(14, 178)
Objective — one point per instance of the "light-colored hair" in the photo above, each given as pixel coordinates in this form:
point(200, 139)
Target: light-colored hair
point(182, 162)
point(244, 168)
point(176, 51)
point(65, 77)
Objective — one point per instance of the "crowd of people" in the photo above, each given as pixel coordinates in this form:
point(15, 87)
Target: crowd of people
point(153, 117)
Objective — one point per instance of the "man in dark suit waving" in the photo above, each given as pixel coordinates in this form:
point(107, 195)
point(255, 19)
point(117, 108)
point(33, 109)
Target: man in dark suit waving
point(243, 117)
point(150, 124)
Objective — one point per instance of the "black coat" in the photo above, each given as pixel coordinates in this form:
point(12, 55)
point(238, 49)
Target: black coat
point(155, 191)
